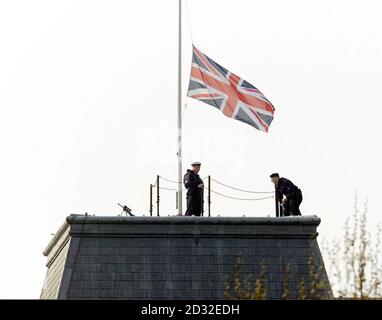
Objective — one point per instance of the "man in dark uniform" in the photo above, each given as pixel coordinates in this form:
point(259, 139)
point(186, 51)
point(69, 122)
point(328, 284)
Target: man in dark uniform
point(288, 194)
point(194, 186)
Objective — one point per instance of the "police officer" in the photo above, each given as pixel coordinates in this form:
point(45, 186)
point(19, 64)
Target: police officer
point(194, 186)
point(288, 194)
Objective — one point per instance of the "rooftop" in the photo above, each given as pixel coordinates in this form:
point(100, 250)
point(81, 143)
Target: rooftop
point(178, 257)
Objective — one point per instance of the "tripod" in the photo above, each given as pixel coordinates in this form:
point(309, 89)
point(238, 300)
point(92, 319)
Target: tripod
point(125, 209)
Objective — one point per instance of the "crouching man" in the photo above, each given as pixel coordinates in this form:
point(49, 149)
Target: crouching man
point(288, 194)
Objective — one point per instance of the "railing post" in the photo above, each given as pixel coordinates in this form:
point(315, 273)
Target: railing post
point(202, 200)
point(151, 200)
point(209, 196)
point(277, 204)
point(158, 195)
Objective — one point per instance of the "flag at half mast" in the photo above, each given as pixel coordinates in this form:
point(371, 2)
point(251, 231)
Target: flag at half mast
point(235, 97)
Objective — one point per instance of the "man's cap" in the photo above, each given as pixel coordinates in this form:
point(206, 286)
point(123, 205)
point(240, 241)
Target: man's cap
point(196, 163)
point(274, 175)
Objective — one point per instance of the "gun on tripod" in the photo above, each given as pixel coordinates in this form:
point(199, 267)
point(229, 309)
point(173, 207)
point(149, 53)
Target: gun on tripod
point(125, 209)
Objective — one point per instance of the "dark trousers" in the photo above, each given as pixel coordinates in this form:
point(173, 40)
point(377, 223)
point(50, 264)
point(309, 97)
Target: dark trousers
point(194, 205)
point(292, 205)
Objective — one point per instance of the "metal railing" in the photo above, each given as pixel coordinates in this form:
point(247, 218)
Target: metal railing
point(156, 185)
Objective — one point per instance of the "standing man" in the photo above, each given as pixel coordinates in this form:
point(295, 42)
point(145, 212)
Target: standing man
point(194, 186)
point(288, 194)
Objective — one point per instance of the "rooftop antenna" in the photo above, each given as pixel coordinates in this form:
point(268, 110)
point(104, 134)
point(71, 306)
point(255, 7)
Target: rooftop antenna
point(125, 209)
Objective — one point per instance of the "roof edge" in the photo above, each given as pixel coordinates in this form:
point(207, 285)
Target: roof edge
point(57, 236)
point(311, 220)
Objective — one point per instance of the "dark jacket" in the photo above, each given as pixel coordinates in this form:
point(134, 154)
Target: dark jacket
point(191, 181)
point(287, 188)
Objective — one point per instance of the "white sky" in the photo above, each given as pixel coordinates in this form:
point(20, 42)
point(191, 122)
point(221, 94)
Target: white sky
point(88, 112)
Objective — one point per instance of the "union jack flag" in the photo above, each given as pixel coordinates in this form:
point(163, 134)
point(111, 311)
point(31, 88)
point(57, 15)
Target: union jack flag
point(235, 97)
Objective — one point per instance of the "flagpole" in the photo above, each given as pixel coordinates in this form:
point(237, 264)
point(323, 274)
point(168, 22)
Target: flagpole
point(179, 140)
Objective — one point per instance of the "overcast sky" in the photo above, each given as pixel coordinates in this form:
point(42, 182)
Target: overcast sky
point(88, 112)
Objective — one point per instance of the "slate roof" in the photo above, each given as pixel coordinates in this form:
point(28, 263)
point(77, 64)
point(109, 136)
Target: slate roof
point(180, 257)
